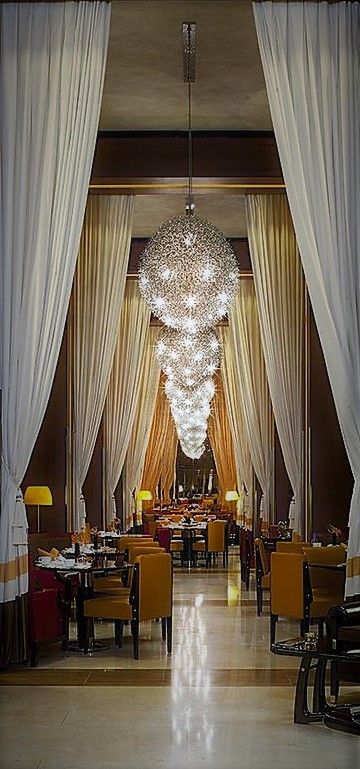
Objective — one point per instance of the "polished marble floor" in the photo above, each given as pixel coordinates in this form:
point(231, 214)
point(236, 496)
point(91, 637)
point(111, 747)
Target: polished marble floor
point(220, 700)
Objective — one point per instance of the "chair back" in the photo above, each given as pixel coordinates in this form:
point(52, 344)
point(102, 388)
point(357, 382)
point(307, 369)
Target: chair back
point(134, 550)
point(216, 536)
point(154, 585)
point(328, 555)
point(123, 543)
point(325, 579)
point(163, 535)
point(291, 547)
point(287, 584)
point(260, 556)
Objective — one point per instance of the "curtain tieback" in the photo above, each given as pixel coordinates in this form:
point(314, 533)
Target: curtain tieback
point(11, 476)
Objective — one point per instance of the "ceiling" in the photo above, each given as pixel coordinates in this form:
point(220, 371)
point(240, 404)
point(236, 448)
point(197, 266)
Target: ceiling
point(144, 87)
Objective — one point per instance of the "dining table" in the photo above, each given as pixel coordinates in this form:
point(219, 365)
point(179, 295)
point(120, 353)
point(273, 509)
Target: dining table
point(86, 567)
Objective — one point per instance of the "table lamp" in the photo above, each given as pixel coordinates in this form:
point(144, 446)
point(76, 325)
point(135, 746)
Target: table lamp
point(38, 495)
point(141, 496)
point(231, 496)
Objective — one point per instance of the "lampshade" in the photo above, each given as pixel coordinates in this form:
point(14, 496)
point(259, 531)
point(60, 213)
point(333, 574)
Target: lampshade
point(143, 495)
point(38, 495)
point(231, 496)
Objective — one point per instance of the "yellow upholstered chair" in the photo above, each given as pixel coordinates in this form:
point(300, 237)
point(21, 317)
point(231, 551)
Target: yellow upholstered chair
point(138, 549)
point(113, 583)
point(150, 598)
point(291, 547)
point(123, 542)
point(291, 593)
point(262, 573)
point(216, 540)
point(324, 581)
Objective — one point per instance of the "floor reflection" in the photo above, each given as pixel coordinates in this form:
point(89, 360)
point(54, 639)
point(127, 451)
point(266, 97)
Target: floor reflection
point(189, 673)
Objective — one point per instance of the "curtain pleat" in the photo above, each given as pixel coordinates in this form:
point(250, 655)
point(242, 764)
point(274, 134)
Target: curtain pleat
point(244, 468)
point(160, 444)
point(135, 458)
point(97, 298)
point(279, 287)
point(251, 383)
point(124, 387)
point(51, 78)
point(221, 442)
point(311, 60)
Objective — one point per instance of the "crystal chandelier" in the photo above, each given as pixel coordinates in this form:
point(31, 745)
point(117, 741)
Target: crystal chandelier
point(186, 359)
point(188, 275)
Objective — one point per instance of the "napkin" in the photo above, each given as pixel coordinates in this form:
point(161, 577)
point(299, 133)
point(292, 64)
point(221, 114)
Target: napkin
point(53, 553)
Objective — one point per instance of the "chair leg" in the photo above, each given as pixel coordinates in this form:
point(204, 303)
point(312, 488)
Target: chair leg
point(334, 680)
point(273, 621)
point(135, 637)
point(87, 634)
point(169, 633)
point(247, 578)
point(258, 599)
point(163, 629)
point(118, 632)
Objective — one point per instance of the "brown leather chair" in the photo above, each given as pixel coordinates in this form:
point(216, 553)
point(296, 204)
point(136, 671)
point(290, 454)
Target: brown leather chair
point(292, 594)
point(150, 598)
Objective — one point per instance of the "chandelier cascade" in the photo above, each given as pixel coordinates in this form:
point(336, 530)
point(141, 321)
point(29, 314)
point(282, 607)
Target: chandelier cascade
point(188, 275)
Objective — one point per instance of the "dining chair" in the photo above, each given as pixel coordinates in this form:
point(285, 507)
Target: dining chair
point(216, 541)
point(150, 598)
point(291, 547)
point(293, 596)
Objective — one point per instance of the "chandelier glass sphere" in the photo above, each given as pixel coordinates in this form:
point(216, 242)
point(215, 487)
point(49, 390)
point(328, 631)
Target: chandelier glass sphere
point(188, 274)
point(186, 359)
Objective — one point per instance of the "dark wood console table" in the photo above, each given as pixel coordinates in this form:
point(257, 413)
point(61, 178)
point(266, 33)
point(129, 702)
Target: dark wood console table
point(342, 717)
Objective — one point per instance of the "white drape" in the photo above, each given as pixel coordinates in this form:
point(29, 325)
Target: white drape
point(96, 304)
point(52, 70)
point(251, 383)
point(124, 386)
point(135, 458)
point(311, 59)
point(244, 469)
point(279, 287)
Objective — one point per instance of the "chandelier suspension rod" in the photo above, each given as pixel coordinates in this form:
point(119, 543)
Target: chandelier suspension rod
point(190, 185)
point(189, 51)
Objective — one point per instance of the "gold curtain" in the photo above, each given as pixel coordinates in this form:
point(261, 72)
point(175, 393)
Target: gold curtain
point(160, 447)
point(222, 442)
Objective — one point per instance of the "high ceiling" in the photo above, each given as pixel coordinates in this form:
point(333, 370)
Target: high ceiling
point(144, 87)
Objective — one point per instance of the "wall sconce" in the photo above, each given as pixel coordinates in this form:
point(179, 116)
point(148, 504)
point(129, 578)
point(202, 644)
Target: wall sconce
point(38, 495)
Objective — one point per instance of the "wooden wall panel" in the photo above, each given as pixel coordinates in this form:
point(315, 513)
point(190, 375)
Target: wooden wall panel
point(92, 488)
point(331, 477)
point(47, 466)
point(283, 491)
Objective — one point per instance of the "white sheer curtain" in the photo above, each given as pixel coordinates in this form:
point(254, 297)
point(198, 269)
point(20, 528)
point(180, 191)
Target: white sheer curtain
point(124, 386)
point(52, 70)
point(251, 383)
point(311, 59)
point(96, 304)
point(244, 468)
point(135, 458)
point(279, 287)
